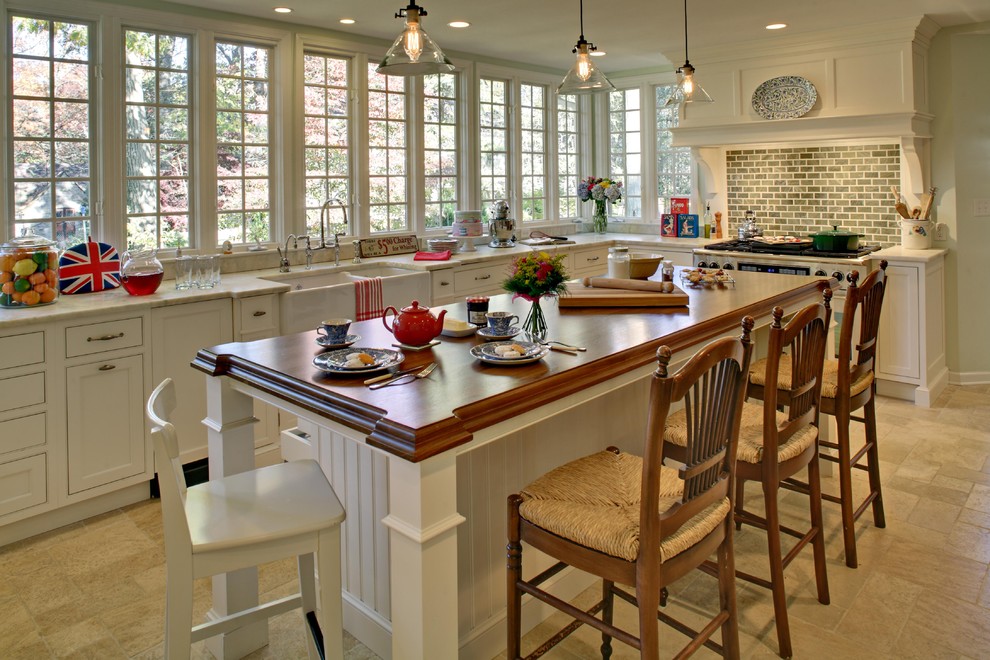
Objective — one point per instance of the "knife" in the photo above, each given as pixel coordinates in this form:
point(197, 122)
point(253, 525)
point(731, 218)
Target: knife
point(396, 374)
point(422, 374)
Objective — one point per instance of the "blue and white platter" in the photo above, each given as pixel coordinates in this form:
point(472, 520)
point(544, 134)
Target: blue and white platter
point(784, 97)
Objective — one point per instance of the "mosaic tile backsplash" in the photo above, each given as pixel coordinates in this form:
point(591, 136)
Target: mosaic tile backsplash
point(807, 189)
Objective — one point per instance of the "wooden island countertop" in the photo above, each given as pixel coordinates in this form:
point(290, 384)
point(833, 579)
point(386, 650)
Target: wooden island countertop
point(426, 417)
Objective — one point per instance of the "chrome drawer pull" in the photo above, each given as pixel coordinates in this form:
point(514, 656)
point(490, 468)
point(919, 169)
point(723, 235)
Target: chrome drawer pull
point(443, 283)
point(593, 258)
point(260, 313)
point(106, 337)
point(484, 277)
point(107, 367)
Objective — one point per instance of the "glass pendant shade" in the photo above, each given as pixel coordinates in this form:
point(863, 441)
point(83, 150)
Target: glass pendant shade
point(584, 77)
point(688, 90)
point(414, 53)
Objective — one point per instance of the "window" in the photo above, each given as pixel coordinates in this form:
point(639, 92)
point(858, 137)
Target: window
point(51, 143)
point(625, 150)
point(673, 163)
point(387, 178)
point(440, 153)
point(494, 107)
point(567, 156)
point(243, 124)
point(327, 113)
point(533, 128)
point(157, 138)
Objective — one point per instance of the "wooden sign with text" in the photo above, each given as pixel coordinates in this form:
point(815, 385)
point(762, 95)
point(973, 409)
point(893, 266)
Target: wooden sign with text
point(387, 245)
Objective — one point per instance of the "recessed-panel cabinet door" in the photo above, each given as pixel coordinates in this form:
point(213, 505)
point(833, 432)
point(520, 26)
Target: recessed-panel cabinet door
point(105, 421)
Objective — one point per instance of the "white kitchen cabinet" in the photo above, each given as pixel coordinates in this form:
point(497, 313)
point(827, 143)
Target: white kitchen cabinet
point(911, 344)
point(105, 422)
point(588, 262)
point(179, 331)
point(257, 317)
point(452, 284)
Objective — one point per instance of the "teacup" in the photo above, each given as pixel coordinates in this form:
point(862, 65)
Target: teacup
point(335, 331)
point(499, 323)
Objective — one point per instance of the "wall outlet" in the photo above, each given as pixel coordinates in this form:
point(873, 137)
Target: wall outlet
point(981, 208)
point(941, 232)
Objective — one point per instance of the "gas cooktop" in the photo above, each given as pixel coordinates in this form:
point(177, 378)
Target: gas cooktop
point(785, 249)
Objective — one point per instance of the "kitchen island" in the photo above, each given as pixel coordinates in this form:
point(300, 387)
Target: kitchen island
point(423, 469)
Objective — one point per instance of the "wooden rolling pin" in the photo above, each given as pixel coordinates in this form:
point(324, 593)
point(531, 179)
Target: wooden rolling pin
point(629, 285)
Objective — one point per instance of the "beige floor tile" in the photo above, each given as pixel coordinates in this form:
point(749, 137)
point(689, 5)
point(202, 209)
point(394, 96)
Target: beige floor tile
point(969, 541)
point(880, 612)
point(935, 515)
point(88, 638)
point(956, 625)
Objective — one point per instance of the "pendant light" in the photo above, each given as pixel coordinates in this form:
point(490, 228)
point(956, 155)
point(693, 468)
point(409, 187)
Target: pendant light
point(688, 90)
point(584, 77)
point(414, 53)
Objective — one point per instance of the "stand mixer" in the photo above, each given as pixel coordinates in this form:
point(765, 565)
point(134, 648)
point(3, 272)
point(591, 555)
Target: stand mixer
point(502, 227)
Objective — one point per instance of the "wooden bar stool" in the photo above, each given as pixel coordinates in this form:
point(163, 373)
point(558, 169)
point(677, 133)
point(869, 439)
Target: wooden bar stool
point(241, 521)
point(600, 513)
point(778, 439)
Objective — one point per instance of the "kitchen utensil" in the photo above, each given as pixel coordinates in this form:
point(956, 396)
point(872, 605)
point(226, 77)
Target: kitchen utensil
point(916, 212)
point(580, 296)
point(614, 283)
point(926, 206)
point(837, 240)
point(378, 379)
point(500, 322)
point(335, 331)
point(404, 376)
point(565, 346)
point(895, 194)
point(415, 326)
point(642, 266)
point(561, 349)
point(502, 228)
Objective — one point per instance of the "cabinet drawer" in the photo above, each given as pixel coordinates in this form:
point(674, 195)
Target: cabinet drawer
point(591, 261)
point(479, 280)
point(258, 315)
point(22, 350)
point(22, 391)
point(22, 433)
point(102, 337)
point(443, 285)
point(23, 483)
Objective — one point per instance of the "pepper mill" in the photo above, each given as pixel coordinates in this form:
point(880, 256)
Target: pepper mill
point(718, 224)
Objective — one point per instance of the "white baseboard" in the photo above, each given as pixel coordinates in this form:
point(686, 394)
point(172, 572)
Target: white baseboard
point(969, 377)
point(368, 627)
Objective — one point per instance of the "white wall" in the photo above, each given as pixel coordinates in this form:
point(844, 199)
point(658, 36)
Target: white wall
point(960, 93)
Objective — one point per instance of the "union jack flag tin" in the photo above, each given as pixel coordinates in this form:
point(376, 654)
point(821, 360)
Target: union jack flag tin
point(89, 267)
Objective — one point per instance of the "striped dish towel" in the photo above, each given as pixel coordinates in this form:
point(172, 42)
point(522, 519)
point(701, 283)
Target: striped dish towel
point(368, 303)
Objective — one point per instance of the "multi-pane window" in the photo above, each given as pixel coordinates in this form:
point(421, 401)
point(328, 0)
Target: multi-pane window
point(567, 156)
point(494, 145)
point(387, 153)
point(327, 140)
point(625, 148)
point(532, 106)
point(244, 125)
point(673, 163)
point(157, 138)
point(440, 126)
point(50, 143)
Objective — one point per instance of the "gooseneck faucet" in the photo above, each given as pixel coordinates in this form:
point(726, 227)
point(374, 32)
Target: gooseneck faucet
point(325, 223)
point(283, 257)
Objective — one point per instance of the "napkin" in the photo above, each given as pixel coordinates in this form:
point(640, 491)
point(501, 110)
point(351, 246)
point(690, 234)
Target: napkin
point(432, 256)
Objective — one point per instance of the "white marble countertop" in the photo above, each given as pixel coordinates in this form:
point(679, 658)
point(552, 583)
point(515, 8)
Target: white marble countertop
point(898, 253)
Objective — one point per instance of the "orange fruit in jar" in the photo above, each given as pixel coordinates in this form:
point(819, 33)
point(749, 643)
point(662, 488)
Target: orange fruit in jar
point(6, 277)
point(48, 295)
point(41, 287)
point(51, 276)
point(8, 287)
point(16, 297)
point(37, 278)
point(7, 262)
point(30, 297)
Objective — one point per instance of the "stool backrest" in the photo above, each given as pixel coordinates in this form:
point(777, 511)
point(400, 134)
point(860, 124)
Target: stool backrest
point(863, 304)
point(712, 386)
point(171, 479)
point(804, 338)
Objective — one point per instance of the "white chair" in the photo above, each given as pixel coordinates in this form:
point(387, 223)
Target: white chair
point(241, 521)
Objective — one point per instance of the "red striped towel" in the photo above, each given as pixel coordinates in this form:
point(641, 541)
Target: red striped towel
point(368, 303)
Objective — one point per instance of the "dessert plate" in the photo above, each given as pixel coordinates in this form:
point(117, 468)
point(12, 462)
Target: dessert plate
point(333, 362)
point(322, 341)
point(489, 335)
point(486, 353)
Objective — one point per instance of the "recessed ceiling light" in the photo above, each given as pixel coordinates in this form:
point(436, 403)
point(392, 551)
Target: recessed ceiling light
point(283, 10)
point(459, 24)
point(347, 21)
point(777, 26)
point(598, 53)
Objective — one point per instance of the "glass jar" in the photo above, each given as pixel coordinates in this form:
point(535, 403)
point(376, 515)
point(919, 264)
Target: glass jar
point(141, 272)
point(618, 263)
point(28, 272)
point(667, 273)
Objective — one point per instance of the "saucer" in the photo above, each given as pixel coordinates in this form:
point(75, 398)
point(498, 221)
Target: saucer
point(322, 341)
point(489, 335)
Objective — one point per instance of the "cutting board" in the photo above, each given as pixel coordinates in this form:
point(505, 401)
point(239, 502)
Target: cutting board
point(579, 295)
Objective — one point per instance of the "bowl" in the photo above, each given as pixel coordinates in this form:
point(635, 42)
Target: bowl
point(643, 266)
point(441, 244)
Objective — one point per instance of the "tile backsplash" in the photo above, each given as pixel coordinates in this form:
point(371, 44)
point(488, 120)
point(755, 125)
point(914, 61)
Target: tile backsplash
point(796, 190)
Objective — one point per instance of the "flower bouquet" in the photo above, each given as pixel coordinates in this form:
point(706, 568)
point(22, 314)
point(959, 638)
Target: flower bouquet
point(532, 277)
point(600, 190)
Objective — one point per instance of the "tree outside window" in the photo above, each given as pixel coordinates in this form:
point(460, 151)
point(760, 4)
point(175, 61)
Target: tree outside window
point(625, 148)
point(327, 117)
point(533, 129)
point(493, 126)
point(388, 180)
point(673, 163)
point(440, 152)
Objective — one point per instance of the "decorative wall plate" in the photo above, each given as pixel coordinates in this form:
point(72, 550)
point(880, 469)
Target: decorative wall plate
point(784, 97)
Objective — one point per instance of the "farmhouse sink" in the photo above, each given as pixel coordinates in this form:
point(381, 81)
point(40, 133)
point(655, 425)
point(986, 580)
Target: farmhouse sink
point(323, 293)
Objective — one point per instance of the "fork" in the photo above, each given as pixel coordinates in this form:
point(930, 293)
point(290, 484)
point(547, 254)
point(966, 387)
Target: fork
point(562, 345)
point(406, 378)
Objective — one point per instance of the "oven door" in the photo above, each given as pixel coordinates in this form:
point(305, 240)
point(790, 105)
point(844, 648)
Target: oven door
point(778, 269)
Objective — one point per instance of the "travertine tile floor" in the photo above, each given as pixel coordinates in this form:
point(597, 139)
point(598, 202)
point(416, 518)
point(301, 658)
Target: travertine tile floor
point(96, 589)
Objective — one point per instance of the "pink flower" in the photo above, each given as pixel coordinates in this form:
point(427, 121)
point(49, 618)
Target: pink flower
point(545, 269)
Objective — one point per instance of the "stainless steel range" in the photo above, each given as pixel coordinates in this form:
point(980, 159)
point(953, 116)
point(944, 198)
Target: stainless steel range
point(784, 259)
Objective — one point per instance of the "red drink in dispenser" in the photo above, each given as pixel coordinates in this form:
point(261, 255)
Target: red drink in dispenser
point(141, 284)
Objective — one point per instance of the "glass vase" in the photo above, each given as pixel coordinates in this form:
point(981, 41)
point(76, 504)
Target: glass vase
point(599, 219)
point(535, 323)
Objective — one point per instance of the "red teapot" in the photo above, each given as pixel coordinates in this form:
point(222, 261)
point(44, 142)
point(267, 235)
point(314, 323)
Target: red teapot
point(415, 326)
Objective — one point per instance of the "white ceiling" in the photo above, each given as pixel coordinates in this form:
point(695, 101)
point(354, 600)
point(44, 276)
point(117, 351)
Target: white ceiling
point(633, 32)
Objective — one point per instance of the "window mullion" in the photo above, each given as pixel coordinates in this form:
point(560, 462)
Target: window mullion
point(204, 133)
